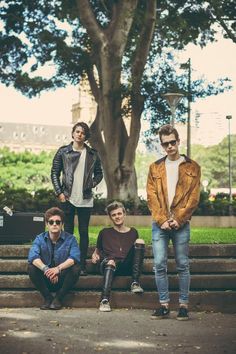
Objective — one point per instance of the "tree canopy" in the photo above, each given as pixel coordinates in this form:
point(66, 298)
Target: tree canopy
point(115, 44)
point(214, 161)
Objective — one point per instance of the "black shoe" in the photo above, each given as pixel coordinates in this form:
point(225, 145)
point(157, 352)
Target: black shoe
point(83, 272)
point(182, 314)
point(56, 304)
point(161, 313)
point(46, 304)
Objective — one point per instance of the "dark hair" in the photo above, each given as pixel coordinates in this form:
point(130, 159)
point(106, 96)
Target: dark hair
point(114, 205)
point(84, 126)
point(168, 129)
point(54, 211)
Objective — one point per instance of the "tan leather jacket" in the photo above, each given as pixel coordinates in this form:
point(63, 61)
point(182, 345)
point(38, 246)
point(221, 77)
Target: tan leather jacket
point(186, 195)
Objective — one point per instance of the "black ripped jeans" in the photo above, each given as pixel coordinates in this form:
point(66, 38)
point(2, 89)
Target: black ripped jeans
point(83, 222)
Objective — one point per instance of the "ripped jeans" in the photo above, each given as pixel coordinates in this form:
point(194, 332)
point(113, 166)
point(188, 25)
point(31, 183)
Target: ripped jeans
point(180, 240)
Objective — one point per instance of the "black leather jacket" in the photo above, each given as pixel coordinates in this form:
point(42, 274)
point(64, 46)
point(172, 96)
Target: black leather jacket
point(66, 161)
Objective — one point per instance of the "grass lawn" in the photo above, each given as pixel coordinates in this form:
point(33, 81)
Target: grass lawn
point(198, 235)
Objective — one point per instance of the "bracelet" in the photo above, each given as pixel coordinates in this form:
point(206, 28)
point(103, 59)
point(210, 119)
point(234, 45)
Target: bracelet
point(59, 269)
point(44, 268)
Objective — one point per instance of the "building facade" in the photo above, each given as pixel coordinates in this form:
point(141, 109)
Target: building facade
point(33, 137)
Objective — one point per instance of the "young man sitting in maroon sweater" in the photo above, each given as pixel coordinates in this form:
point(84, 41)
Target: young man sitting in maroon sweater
point(120, 252)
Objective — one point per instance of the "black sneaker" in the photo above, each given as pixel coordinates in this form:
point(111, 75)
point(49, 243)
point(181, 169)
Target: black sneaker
point(56, 304)
point(83, 272)
point(161, 313)
point(182, 314)
point(47, 303)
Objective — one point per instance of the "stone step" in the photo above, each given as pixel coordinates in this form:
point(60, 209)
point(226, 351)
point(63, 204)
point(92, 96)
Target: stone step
point(218, 301)
point(200, 250)
point(197, 265)
point(93, 282)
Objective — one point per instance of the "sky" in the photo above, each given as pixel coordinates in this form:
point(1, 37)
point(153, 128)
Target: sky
point(214, 61)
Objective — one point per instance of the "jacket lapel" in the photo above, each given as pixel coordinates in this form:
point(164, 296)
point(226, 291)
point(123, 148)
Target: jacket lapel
point(164, 182)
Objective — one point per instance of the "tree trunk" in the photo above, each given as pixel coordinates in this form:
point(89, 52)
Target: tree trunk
point(123, 188)
point(114, 143)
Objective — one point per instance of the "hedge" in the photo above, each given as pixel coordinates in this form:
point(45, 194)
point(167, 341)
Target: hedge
point(42, 199)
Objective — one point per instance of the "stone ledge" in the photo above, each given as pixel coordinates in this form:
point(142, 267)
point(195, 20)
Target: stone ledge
point(94, 282)
point(217, 301)
point(197, 265)
point(146, 220)
point(195, 250)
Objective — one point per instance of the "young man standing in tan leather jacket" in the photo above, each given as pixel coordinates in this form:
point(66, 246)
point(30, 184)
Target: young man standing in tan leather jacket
point(173, 189)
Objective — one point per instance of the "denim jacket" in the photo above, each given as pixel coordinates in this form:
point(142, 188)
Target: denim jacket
point(65, 248)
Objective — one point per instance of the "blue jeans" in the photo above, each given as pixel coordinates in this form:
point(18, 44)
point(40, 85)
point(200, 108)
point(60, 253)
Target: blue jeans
point(180, 240)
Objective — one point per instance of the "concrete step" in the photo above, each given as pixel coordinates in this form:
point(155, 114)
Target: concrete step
point(200, 250)
point(198, 265)
point(93, 282)
point(218, 301)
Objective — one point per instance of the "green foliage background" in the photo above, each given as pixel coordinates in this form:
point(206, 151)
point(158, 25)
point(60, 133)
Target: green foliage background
point(214, 161)
point(25, 183)
point(25, 170)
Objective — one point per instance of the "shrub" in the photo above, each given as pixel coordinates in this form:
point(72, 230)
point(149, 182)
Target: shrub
point(42, 199)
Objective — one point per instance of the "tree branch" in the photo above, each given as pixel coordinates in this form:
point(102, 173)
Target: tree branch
point(96, 139)
point(89, 21)
point(139, 62)
point(93, 83)
point(142, 50)
point(119, 28)
point(217, 16)
point(230, 34)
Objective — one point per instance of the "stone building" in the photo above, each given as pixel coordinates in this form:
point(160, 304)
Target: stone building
point(33, 137)
point(85, 109)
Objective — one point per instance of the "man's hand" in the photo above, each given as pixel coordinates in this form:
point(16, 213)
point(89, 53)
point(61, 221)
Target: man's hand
point(54, 280)
point(62, 198)
point(166, 225)
point(174, 224)
point(52, 274)
point(95, 257)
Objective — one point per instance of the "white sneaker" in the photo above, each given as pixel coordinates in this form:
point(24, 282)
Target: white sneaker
point(104, 306)
point(136, 288)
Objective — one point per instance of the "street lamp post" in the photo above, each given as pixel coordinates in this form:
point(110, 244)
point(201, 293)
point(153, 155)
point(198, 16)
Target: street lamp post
point(229, 117)
point(173, 99)
point(187, 66)
point(189, 110)
point(205, 184)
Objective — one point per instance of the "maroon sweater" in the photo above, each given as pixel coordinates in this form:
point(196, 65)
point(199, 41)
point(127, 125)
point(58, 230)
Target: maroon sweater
point(115, 245)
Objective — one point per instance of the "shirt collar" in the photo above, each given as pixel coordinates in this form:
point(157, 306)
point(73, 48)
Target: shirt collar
point(187, 159)
point(62, 235)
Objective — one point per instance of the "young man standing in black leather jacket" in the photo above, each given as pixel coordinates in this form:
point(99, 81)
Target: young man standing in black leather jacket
point(76, 169)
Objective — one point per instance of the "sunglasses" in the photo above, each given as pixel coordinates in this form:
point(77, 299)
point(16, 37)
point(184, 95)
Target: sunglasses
point(52, 222)
point(171, 142)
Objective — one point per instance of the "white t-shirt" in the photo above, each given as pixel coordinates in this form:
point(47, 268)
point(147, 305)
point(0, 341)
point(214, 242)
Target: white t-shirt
point(172, 174)
point(76, 197)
